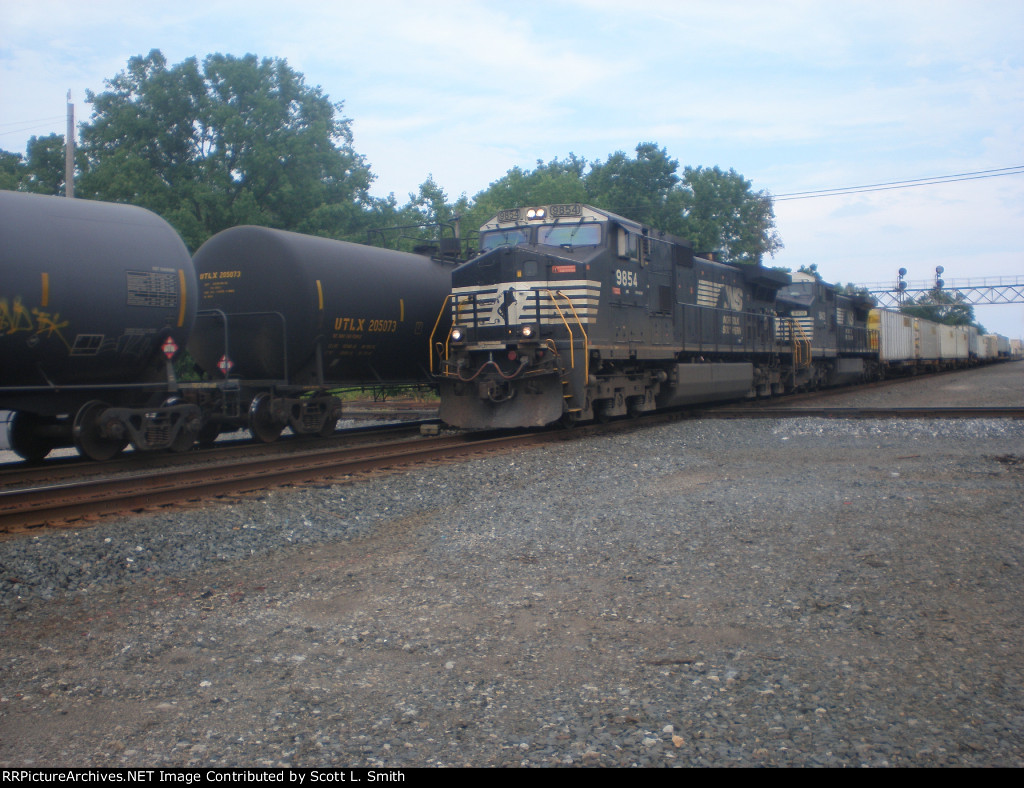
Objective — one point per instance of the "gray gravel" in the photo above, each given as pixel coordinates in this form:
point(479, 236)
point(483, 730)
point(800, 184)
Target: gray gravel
point(802, 592)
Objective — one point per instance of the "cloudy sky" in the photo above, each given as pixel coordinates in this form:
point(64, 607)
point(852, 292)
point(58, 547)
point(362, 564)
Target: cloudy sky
point(795, 95)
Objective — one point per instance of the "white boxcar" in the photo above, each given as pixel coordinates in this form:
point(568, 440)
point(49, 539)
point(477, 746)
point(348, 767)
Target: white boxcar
point(927, 340)
point(895, 336)
point(975, 344)
point(952, 343)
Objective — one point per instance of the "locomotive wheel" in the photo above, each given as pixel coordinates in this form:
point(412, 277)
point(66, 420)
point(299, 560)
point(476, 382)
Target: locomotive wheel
point(88, 438)
point(24, 439)
point(261, 423)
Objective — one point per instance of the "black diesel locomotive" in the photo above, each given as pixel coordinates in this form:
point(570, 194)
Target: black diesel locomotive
point(98, 299)
point(573, 313)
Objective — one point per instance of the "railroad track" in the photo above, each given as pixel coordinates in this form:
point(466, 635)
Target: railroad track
point(786, 412)
point(61, 469)
point(72, 501)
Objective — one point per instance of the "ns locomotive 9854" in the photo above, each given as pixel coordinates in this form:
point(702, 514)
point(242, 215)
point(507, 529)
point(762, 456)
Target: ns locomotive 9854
point(571, 312)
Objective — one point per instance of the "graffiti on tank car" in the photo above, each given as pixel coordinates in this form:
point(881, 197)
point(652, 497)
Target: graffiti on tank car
point(16, 318)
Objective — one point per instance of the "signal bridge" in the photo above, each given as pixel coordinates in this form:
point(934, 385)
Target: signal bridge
point(972, 292)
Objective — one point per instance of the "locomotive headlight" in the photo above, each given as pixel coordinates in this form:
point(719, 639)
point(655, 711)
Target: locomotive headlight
point(457, 334)
point(536, 213)
point(528, 332)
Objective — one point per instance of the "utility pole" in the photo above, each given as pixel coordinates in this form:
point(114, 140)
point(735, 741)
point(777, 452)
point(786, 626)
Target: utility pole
point(69, 151)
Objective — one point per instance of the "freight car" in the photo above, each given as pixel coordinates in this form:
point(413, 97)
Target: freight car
point(285, 318)
point(570, 312)
point(96, 300)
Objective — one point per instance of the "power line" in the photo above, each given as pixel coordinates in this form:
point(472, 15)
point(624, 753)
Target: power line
point(907, 184)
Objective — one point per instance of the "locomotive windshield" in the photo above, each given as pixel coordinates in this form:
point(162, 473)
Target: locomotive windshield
point(496, 238)
point(570, 235)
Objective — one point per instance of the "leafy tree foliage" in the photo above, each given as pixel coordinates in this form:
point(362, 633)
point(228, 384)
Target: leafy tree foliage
point(11, 167)
point(645, 189)
point(236, 141)
point(41, 171)
point(554, 182)
point(941, 306)
point(716, 210)
point(722, 214)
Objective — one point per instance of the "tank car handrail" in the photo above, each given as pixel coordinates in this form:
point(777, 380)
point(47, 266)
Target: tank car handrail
point(209, 313)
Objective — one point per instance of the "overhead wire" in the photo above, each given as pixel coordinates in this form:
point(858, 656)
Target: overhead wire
point(906, 184)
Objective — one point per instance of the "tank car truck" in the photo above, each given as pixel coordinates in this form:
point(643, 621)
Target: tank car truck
point(574, 313)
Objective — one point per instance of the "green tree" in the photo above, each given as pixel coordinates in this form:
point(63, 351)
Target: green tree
point(644, 189)
point(722, 214)
point(558, 181)
point(11, 168)
point(41, 171)
point(45, 165)
point(941, 306)
point(237, 141)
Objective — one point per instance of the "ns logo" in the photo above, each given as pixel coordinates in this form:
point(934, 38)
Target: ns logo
point(732, 298)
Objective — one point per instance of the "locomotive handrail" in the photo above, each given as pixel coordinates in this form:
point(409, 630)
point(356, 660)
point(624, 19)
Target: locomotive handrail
point(800, 342)
point(430, 343)
point(583, 330)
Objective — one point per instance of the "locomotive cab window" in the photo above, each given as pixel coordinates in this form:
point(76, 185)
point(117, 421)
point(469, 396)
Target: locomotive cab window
point(628, 245)
point(496, 238)
point(570, 235)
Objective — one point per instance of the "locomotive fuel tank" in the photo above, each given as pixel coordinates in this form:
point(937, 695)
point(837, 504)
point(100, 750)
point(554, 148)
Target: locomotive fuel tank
point(89, 292)
point(300, 310)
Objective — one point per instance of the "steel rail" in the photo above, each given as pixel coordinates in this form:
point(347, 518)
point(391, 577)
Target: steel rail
point(774, 412)
point(72, 501)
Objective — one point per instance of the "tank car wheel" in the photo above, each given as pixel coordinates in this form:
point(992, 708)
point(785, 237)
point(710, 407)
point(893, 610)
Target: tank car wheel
point(262, 424)
point(89, 440)
point(183, 442)
point(24, 439)
point(329, 427)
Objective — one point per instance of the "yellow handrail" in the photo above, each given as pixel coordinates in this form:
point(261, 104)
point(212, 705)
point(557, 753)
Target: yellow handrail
point(801, 344)
point(433, 331)
point(572, 344)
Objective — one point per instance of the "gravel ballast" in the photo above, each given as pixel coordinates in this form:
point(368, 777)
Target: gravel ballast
point(708, 593)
